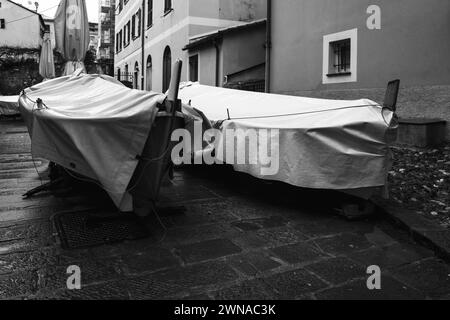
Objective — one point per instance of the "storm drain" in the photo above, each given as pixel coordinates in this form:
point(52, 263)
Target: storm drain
point(90, 229)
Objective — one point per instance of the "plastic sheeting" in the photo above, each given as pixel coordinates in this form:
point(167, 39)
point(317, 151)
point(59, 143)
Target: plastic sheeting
point(322, 144)
point(92, 125)
point(9, 105)
point(46, 61)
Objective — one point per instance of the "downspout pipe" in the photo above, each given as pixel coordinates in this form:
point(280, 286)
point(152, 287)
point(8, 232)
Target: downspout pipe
point(143, 66)
point(268, 45)
point(217, 46)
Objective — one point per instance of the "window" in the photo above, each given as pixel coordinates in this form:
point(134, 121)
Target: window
point(126, 34)
point(136, 76)
point(193, 68)
point(167, 6)
point(106, 38)
point(118, 74)
point(167, 69)
point(340, 57)
point(149, 13)
point(149, 73)
point(2, 24)
point(139, 24)
point(133, 27)
point(120, 5)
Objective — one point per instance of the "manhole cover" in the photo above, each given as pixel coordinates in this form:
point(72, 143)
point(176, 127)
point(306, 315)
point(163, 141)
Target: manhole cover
point(90, 229)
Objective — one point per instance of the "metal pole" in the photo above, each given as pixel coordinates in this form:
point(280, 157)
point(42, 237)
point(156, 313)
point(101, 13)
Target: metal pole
point(143, 68)
point(268, 45)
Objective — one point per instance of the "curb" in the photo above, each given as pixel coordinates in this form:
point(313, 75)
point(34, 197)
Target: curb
point(421, 229)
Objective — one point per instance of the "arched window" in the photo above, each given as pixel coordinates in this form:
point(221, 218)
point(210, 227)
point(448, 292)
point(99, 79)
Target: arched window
point(118, 74)
point(167, 68)
point(148, 74)
point(136, 76)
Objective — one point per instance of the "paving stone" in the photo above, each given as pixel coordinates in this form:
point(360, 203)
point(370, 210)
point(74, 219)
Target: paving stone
point(430, 276)
point(440, 241)
point(154, 259)
point(344, 243)
point(92, 271)
point(298, 253)
point(281, 236)
point(12, 263)
point(250, 240)
point(246, 290)
point(200, 213)
point(337, 270)
point(18, 284)
point(25, 237)
point(293, 284)
point(199, 297)
point(193, 234)
point(392, 256)
point(114, 290)
point(247, 208)
point(177, 194)
point(246, 225)
point(391, 289)
point(37, 229)
point(204, 274)
point(207, 250)
point(380, 238)
point(331, 226)
point(252, 263)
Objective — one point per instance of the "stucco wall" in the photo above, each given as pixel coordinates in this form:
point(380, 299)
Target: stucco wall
point(23, 33)
point(243, 10)
point(242, 50)
point(412, 45)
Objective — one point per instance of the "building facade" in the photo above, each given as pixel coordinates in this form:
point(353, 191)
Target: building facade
point(348, 49)
point(106, 34)
point(21, 37)
point(231, 57)
point(166, 27)
point(20, 27)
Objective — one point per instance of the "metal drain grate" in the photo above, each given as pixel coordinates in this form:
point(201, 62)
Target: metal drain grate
point(90, 229)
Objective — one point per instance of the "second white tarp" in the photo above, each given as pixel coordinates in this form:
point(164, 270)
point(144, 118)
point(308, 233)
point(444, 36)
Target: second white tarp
point(317, 143)
point(9, 105)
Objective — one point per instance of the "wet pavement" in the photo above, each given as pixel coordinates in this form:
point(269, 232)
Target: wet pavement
point(228, 236)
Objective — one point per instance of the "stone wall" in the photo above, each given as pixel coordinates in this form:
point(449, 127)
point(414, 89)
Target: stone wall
point(19, 68)
point(413, 102)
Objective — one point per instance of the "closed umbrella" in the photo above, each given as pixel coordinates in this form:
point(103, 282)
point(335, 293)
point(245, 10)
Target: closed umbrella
point(46, 62)
point(72, 33)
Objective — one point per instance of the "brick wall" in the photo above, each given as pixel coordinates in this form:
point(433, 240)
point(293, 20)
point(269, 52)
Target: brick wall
point(421, 102)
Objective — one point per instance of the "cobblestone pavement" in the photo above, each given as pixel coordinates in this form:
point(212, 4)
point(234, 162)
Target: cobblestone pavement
point(238, 238)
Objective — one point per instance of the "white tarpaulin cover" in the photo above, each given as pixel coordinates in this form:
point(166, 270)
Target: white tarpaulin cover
point(323, 144)
point(9, 105)
point(92, 125)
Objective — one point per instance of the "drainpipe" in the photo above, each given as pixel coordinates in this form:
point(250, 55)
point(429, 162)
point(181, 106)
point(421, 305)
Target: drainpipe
point(217, 46)
point(268, 44)
point(143, 66)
